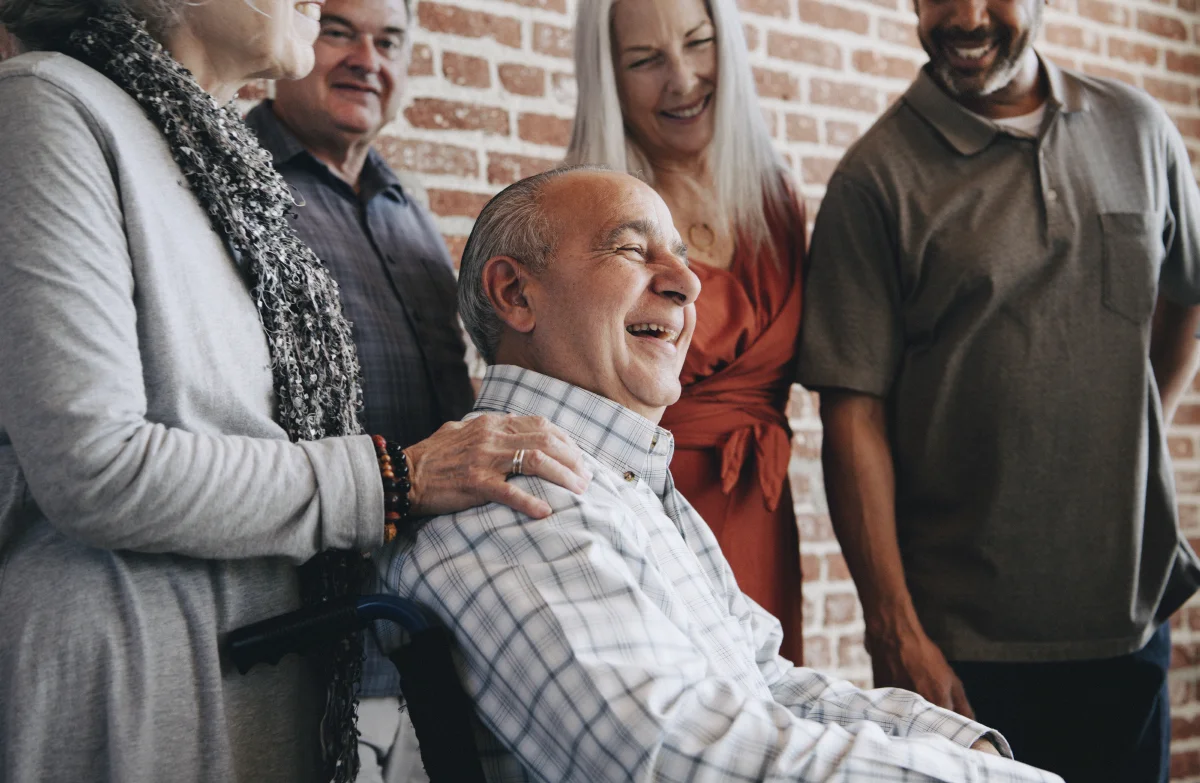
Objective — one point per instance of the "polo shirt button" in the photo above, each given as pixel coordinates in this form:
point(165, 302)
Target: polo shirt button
point(629, 476)
point(1052, 196)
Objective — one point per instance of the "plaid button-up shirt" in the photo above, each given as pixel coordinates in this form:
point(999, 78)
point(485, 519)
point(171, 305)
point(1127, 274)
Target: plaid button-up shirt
point(611, 642)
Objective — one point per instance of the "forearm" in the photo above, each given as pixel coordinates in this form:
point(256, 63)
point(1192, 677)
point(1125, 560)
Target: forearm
point(860, 486)
point(1174, 352)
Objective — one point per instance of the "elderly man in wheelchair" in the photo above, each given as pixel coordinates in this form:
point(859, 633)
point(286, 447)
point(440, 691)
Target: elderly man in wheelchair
point(609, 641)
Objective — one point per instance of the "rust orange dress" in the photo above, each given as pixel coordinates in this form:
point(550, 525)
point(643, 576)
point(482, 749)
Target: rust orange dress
point(732, 439)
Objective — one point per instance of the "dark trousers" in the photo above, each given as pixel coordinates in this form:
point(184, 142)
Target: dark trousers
point(1089, 721)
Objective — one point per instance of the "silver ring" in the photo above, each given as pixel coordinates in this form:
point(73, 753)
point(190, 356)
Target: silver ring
point(517, 463)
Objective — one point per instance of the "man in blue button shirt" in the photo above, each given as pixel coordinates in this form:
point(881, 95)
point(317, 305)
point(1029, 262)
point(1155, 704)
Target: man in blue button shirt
point(398, 290)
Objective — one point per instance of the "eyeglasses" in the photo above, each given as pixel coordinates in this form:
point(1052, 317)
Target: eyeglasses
point(390, 43)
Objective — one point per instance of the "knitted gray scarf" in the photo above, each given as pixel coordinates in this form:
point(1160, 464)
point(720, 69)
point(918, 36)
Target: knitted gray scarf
point(313, 359)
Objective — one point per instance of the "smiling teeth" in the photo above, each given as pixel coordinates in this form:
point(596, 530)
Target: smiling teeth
point(687, 114)
point(976, 53)
point(667, 334)
point(311, 10)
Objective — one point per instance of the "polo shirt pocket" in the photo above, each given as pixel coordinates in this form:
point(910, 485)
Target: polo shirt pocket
point(1131, 258)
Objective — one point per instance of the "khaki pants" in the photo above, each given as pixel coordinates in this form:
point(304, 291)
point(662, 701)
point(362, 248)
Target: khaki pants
point(387, 745)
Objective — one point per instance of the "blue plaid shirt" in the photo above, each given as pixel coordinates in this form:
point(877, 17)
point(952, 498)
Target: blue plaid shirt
point(610, 640)
point(398, 291)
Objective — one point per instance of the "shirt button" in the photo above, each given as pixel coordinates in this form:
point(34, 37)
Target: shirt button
point(629, 476)
point(1052, 196)
point(654, 440)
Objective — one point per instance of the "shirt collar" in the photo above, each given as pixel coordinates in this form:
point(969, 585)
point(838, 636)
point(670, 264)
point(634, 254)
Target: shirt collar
point(377, 176)
point(615, 436)
point(968, 132)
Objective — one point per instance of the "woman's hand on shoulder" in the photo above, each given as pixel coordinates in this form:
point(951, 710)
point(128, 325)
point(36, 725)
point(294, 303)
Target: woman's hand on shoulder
point(467, 463)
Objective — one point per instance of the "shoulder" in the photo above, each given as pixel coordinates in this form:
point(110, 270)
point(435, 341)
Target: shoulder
point(52, 76)
point(886, 144)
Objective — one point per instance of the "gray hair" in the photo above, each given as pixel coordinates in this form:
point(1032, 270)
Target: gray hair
point(46, 24)
point(515, 224)
point(750, 175)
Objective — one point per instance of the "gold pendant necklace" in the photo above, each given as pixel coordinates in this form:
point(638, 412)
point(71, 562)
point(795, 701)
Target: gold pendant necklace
point(702, 236)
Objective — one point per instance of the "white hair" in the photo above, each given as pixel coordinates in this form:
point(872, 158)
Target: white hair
point(750, 175)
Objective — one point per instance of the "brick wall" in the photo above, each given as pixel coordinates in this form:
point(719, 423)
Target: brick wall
point(491, 99)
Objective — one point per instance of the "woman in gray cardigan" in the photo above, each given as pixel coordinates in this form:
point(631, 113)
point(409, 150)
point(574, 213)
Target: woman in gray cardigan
point(177, 408)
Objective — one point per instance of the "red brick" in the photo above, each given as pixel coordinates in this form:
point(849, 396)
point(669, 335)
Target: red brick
point(810, 568)
point(1189, 6)
point(877, 64)
point(456, 244)
point(522, 79)
point(1181, 447)
point(852, 654)
point(421, 63)
point(1132, 51)
point(1181, 691)
point(836, 17)
point(1193, 618)
point(550, 5)
point(811, 616)
point(1162, 26)
point(456, 203)
point(817, 171)
point(544, 129)
point(841, 608)
point(441, 18)
point(752, 37)
point(465, 70)
point(903, 33)
point(1183, 63)
point(840, 134)
point(780, 8)
point(506, 169)
point(1187, 481)
point(774, 84)
point(803, 49)
point(1101, 11)
point(1073, 37)
point(1110, 73)
point(1188, 126)
point(1185, 764)
point(1189, 519)
point(814, 527)
point(426, 157)
point(552, 40)
point(817, 653)
point(836, 569)
point(844, 95)
point(1188, 412)
point(1061, 61)
point(438, 114)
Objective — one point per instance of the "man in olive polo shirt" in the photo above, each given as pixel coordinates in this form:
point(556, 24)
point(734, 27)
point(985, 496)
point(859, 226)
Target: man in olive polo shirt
point(999, 317)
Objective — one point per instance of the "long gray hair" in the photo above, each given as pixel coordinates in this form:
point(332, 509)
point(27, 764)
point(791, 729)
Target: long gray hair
point(749, 173)
point(45, 24)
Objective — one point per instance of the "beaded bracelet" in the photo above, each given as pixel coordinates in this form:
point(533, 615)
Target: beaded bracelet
point(393, 469)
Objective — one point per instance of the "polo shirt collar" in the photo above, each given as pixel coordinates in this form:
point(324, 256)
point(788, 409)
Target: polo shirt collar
point(614, 435)
point(377, 177)
point(966, 131)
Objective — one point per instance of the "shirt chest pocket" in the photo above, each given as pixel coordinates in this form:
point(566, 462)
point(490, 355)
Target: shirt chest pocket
point(1132, 254)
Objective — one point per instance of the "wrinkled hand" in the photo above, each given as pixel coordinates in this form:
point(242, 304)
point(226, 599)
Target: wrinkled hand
point(913, 662)
point(465, 464)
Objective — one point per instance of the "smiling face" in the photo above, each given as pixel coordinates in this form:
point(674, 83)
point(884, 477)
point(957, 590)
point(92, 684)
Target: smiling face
point(978, 48)
point(614, 310)
point(226, 43)
point(356, 86)
point(665, 59)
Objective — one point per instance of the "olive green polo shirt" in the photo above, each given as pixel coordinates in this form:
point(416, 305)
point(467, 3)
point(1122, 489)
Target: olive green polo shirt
point(997, 292)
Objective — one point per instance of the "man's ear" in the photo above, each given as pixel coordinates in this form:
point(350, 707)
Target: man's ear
point(505, 283)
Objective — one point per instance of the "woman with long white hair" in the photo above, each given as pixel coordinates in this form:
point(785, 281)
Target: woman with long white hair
point(666, 93)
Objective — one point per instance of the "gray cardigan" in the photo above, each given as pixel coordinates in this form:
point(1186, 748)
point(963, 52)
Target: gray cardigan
point(149, 503)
